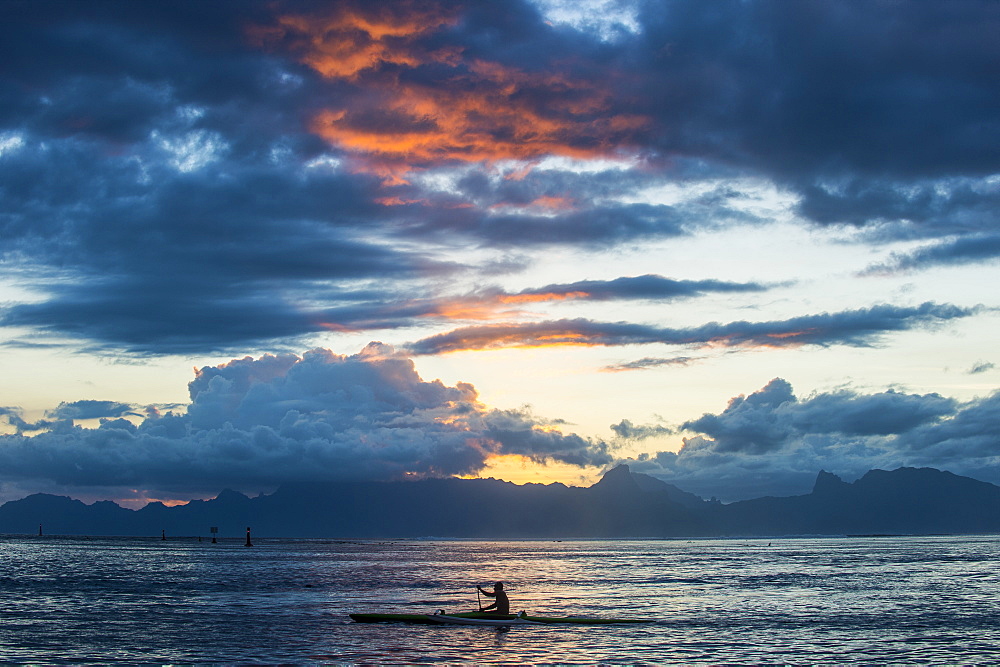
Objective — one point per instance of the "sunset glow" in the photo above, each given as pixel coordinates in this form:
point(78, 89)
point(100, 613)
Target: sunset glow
point(727, 244)
point(488, 111)
point(521, 470)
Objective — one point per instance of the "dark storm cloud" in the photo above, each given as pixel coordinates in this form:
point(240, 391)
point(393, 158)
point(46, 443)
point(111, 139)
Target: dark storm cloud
point(137, 253)
point(593, 227)
point(863, 108)
point(116, 71)
point(255, 423)
point(773, 443)
point(156, 181)
point(558, 205)
point(183, 176)
point(860, 327)
point(766, 419)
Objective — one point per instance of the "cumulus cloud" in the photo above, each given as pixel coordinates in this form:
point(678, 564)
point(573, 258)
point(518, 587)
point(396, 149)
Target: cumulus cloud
point(771, 442)
point(256, 423)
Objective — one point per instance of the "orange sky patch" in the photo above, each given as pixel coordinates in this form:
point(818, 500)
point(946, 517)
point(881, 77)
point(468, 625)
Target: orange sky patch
point(466, 309)
point(522, 470)
point(340, 328)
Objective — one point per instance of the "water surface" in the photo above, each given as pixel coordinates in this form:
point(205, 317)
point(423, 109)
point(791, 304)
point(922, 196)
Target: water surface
point(784, 601)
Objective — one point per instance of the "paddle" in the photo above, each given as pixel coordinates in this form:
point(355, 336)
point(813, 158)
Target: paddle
point(479, 599)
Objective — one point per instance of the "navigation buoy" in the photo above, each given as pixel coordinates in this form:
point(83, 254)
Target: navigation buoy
point(39, 530)
point(249, 543)
point(163, 535)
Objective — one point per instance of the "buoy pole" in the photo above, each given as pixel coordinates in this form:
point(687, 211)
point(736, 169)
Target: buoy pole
point(163, 535)
point(39, 530)
point(249, 543)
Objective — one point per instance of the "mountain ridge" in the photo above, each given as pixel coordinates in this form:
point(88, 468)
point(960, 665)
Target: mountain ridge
point(622, 504)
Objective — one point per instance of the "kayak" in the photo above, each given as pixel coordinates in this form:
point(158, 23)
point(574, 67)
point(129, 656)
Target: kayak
point(485, 618)
point(494, 620)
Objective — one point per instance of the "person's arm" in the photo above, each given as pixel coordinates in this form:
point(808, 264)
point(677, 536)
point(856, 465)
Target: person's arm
point(488, 594)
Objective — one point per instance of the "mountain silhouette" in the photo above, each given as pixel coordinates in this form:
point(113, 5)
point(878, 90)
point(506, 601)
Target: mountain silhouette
point(622, 504)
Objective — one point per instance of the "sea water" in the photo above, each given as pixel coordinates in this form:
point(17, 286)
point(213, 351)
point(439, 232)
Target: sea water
point(927, 600)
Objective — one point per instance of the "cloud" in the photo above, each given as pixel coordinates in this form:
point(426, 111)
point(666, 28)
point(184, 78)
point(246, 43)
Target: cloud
point(420, 93)
point(963, 250)
point(649, 362)
point(860, 327)
point(89, 409)
point(184, 264)
point(766, 419)
point(491, 303)
point(981, 367)
point(649, 286)
point(771, 442)
point(253, 424)
point(853, 105)
point(246, 150)
point(629, 431)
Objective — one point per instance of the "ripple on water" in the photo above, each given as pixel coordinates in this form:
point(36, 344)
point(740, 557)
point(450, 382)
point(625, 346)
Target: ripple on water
point(718, 601)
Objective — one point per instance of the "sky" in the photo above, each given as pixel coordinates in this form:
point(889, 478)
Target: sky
point(729, 244)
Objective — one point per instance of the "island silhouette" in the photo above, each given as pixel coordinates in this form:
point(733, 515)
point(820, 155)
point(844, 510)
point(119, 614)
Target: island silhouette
point(623, 504)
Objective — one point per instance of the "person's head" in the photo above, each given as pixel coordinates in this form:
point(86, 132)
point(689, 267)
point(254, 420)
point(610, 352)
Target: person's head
point(498, 586)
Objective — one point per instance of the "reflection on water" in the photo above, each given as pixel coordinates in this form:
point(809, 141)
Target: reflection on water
point(724, 601)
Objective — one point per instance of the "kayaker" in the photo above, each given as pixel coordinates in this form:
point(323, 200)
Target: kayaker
point(502, 605)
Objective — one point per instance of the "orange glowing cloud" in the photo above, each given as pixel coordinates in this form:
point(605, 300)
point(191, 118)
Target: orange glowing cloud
point(506, 336)
point(347, 41)
point(397, 201)
point(463, 309)
point(554, 203)
point(488, 306)
point(541, 298)
point(546, 204)
point(856, 327)
point(460, 110)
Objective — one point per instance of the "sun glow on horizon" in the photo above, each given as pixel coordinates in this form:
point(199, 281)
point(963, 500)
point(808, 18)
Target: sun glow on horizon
point(519, 469)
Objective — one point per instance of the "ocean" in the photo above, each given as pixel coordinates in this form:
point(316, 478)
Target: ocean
point(845, 600)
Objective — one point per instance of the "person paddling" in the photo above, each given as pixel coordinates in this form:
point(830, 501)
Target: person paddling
point(502, 605)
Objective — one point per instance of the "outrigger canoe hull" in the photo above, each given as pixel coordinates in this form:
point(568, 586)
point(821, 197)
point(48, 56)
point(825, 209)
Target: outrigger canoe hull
point(482, 618)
